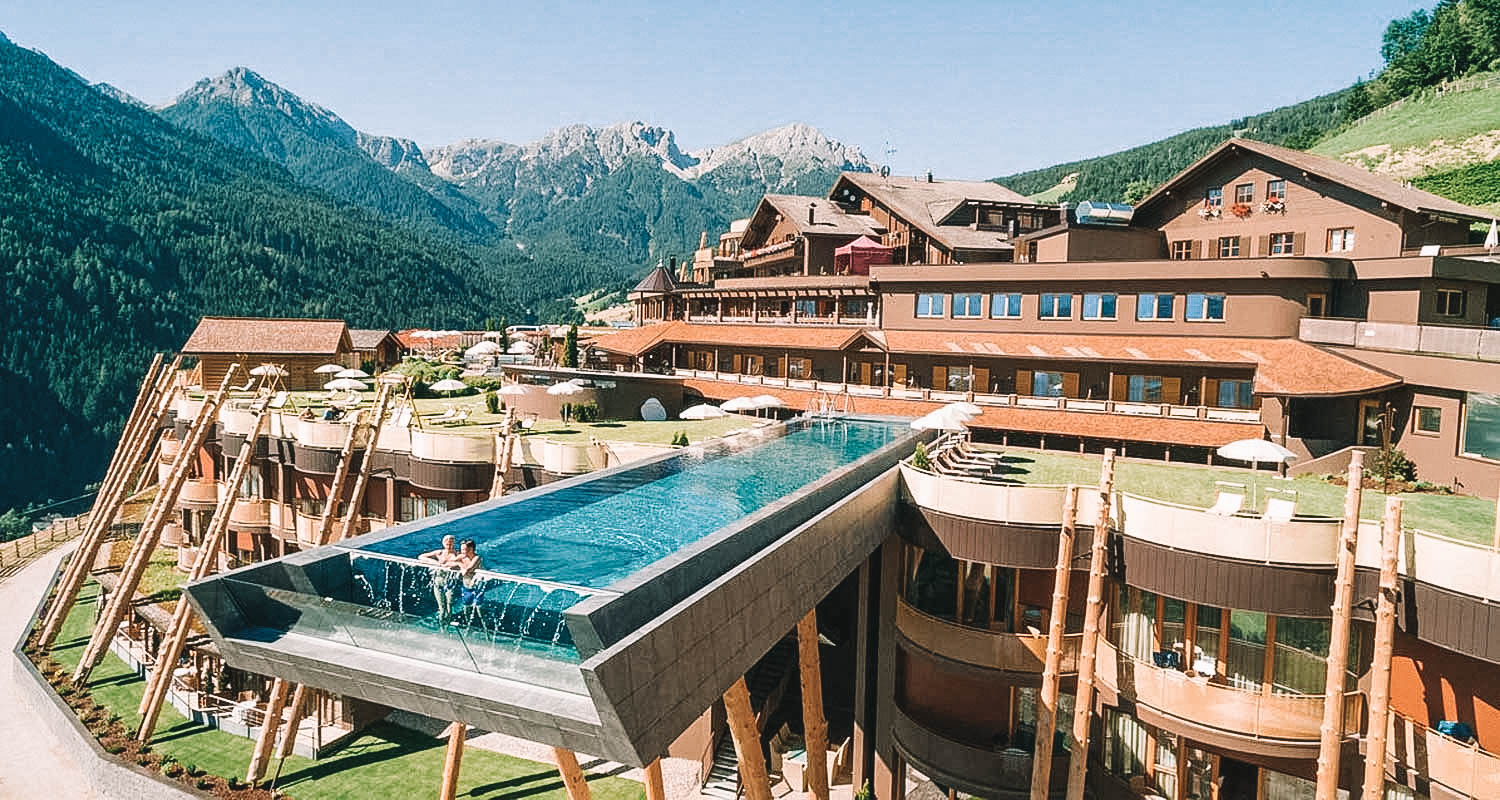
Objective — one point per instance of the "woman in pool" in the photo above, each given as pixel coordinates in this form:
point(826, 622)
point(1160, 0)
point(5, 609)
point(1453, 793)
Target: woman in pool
point(446, 559)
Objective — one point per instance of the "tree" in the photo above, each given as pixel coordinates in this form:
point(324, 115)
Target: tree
point(1404, 35)
point(1357, 103)
point(570, 347)
point(1136, 191)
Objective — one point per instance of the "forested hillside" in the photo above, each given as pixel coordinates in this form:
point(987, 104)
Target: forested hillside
point(118, 230)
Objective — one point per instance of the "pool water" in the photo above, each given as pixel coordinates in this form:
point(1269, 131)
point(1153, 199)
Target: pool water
point(605, 529)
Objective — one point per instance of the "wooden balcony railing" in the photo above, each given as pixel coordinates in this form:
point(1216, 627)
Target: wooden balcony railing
point(1011, 652)
point(1464, 768)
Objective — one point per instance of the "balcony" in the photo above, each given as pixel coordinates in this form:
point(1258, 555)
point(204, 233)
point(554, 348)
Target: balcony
point(773, 257)
point(1008, 504)
point(452, 447)
point(306, 527)
point(172, 535)
point(1300, 541)
point(982, 771)
point(1466, 770)
point(1442, 340)
point(170, 447)
point(237, 421)
point(198, 493)
point(250, 512)
point(1009, 652)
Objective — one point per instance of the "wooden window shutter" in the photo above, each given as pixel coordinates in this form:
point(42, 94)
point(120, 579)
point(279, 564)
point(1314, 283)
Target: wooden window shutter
point(1023, 381)
point(939, 378)
point(981, 379)
point(1210, 392)
point(1299, 244)
point(1245, 247)
point(898, 374)
point(1118, 386)
point(864, 373)
point(807, 368)
point(1211, 248)
point(1264, 248)
point(736, 362)
point(781, 367)
point(1171, 390)
point(1195, 249)
point(1070, 384)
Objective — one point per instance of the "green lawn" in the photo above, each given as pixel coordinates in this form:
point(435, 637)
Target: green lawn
point(162, 580)
point(1459, 516)
point(386, 761)
point(1452, 116)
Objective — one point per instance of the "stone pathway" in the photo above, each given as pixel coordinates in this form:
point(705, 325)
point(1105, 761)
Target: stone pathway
point(32, 762)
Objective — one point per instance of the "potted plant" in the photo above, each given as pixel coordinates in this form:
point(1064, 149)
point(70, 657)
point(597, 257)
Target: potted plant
point(1240, 210)
point(1274, 205)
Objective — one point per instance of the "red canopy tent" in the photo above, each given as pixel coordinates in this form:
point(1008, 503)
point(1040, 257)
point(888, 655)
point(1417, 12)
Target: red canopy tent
point(856, 257)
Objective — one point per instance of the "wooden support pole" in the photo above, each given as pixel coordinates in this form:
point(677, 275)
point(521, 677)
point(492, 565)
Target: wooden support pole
point(656, 788)
point(452, 760)
point(159, 682)
point(299, 706)
point(1380, 661)
point(572, 774)
point(502, 464)
point(275, 704)
point(753, 777)
point(145, 544)
point(814, 725)
point(1046, 707)
point(1331, 733)
point(1083, 706)
point(140, 434)
point(362, 481)
point(341, 479)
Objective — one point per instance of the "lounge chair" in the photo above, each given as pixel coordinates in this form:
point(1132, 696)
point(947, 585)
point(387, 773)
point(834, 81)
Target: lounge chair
point(1230, 500)
point(1280, 509)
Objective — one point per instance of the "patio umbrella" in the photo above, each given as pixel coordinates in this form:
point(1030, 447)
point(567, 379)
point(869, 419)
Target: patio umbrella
point(511, 390)
point(739, 404)
point(564, 389)
point(943, 419)
point(345, 385)
point(488, 347)
point(519, 348)
point(448, 385)
point(1255, 451)
point(968, 409)
point(767, 401)
point(1492, 240)
point(269, 371)
point(352, 372)
point(329, 369)
point(703, 411)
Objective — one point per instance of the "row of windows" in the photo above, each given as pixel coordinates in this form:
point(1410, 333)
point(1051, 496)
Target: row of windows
point(1199, 307)
point(1213, 197)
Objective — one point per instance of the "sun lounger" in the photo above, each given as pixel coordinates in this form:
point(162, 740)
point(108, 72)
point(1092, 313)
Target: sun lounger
point(1230, 501)
point(1280, 509)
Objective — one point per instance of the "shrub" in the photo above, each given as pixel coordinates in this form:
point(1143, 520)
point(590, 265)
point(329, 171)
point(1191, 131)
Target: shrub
point(204, 782)
point(1390, 464)
point(492, 402)
point(585, 412)
point(920, 459)
point(865, 793)
point(680, 439)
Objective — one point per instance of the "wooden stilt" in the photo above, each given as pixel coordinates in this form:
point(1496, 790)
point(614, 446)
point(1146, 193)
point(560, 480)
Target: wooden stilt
point(341, 477)
point(454, 758)
point(1380, 661)
point(275, 705)
point(156, 519)
point(159, 682)
point(572, 774)
point(138, 436)
point(502, 461)
point(1331, 733)
point(656, 788)
point(814, 725)
point(1046, 707)
point(1083, 705)
point(299, 705)
point(757, 783)
point(362, 481)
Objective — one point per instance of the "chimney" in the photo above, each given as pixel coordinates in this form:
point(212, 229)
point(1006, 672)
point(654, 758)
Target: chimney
point(703, 240)
point(810, 208)
point(929, 176)
point(673, 268)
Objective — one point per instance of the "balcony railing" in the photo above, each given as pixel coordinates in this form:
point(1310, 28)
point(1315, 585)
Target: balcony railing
point(251, 512)
point(452, 446)
point(980, 769)
point(1445, 340)
point(169, 449)
point(1301, 541)
point(1010, 504)
point(772, 254)
point(1011, 652)
point(1464, 768)
point(198, 492)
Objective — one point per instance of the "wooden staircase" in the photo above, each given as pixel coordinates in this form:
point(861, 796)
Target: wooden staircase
point(767, 681)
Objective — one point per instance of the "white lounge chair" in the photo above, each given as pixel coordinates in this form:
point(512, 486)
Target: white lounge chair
point(1230, 500)
point(1280, 509)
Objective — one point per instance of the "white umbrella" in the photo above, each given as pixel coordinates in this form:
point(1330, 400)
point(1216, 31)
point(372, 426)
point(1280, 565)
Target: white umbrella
point(493, 334)
point(1492, 241)
point(329, 369)
point(1256, 451)
point(269, 370)
point(352, 372)
point(703, 411)
point(344, 385)
point(519, 348)
point(738, 404)
point(448, 385)
point(943, 419)
point(564, 389)
point(484, 348)
point(511, 389)
point(767, 401)
point(967, 409)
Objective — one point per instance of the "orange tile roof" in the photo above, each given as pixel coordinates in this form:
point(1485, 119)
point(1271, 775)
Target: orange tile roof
point(1282, 366)
point(1118, 427)
point(270, 335)
point(636, 341)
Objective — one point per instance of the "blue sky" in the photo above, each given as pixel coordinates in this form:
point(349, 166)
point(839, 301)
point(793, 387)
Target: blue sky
point(969, 89)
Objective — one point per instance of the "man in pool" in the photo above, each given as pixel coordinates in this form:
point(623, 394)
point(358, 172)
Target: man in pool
point(446, 559)
point(469, 563)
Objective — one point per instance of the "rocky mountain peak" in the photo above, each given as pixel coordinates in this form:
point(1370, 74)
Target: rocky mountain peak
point(245, 88)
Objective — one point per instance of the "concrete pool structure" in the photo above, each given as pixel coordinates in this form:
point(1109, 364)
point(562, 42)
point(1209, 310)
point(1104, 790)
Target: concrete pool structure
point(650, 651)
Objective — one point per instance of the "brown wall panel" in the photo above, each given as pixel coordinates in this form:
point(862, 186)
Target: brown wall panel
point(1028, 547)
point(1227, 583)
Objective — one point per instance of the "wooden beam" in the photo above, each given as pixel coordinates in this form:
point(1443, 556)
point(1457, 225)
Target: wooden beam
point(340, 479)
point(275, 704)
point(656, 788)
point(505, 442)
point(757, 784)
point(1083, 705)
point(159, 682)
point(814, 725)
point(1331, 733)
point(161, 511)
point(572, 774)
point(1380, 661)
point(299, 705)
point(362, 481)
point(140, 434)
point(452, 760)
point(1046, 707)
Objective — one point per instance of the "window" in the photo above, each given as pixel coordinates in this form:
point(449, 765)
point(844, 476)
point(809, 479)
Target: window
point(1031, 248)
point(1055, 306)
point(1340, 240)
point(1236, 394)
point(1450, 302)
point(1427, 419)
point(930, 305)
point(1005, 305)
point(968, 306)
point(1205, 307)
point(1182, 249)
point(1317, 304)
point(1229, 247)
point(1143, 389)
point(1482, 425)
point(1275, 190)
point(806, 308)
point(1047, 384)
point(1244, 193)
point(960, 379)
point(1281, 244)
point(1214, 198)
point(1099, 306)
point(1153, 306)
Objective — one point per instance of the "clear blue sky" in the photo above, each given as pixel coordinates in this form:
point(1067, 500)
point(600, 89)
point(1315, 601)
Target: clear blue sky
point(972, 89)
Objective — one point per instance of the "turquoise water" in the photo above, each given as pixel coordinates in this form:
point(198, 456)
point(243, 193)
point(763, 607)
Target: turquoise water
point(605, 529)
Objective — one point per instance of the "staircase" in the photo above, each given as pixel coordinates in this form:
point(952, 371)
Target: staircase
point(767, 682)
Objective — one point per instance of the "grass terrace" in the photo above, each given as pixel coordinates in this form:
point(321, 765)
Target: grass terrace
point(385, 761)
point(1462, 517)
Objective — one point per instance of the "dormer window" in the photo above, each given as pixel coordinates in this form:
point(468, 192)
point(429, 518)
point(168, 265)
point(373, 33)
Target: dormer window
point(1276, 191)
point(1244, 193)
point(1214, 197)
